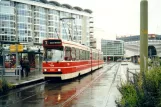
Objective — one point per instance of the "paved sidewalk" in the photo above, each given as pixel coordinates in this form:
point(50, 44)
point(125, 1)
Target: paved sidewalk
point(18, 81)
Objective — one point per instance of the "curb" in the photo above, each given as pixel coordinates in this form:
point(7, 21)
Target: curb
point(30, 82)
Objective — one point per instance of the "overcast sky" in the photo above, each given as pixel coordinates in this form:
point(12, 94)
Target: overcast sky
point(120, 17)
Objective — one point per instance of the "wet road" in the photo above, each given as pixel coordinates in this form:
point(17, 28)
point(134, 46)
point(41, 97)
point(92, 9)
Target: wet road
point(97, 89)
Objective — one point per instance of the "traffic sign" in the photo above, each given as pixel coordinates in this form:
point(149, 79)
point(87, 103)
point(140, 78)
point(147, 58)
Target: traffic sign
point(19, 48)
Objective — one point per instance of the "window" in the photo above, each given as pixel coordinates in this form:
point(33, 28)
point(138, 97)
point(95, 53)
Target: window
point(81, 54)
point(67, 54)
point(87, 55)
point(77, 54)
point(73, 54)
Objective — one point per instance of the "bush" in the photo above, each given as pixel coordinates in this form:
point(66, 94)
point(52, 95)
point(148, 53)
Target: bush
point(129, 97)
point(5, 86)
point(142, 92)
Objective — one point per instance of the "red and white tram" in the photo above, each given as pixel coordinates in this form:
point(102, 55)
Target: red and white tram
point(67, 59)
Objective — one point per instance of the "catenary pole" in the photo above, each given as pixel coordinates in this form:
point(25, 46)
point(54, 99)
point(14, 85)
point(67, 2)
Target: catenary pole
point(143, 35)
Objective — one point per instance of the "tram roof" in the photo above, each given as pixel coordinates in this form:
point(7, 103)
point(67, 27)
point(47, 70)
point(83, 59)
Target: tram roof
point(70, 43)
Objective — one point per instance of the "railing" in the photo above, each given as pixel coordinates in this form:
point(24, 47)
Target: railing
point(131, 73)
point(10, 74)
point(17, 72)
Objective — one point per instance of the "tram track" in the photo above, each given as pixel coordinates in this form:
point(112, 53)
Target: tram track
point(112, 84)
point(84, 88)
point(30, 93)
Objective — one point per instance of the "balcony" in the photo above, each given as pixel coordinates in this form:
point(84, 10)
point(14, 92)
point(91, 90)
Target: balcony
point(93, 40)
point(91, 36)
point(91, 21)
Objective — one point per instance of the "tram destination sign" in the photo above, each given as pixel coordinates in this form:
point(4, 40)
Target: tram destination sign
point(52, 42)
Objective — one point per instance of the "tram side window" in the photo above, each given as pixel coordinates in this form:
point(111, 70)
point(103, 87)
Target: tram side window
point(93, 56)
point(81, 57)
point(96, 56)
point(73, 54)
point(87, 55)
point(67, 54)
point(84, 55)
point(77, 54)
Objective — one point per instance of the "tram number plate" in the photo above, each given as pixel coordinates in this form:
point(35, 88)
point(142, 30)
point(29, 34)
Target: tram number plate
point(52, 69)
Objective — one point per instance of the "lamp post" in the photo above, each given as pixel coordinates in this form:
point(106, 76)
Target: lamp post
point(143, 35)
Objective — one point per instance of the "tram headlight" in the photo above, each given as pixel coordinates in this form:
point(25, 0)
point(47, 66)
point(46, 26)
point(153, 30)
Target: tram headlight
point(59, 70)
point(45, 70)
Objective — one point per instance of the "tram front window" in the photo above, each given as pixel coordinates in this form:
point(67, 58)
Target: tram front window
point(53, 55)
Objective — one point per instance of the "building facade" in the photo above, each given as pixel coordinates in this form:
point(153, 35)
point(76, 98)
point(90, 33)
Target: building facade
point(132, 46)
point(112, 49)
point(28, 22)
point(93, 43)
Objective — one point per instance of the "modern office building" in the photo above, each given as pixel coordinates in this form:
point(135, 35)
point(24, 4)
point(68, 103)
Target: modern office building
point(132, 46)
point(30, 21)
point(112, 49)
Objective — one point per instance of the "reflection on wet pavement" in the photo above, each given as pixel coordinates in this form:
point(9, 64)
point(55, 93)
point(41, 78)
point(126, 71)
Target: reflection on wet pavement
point(92, 90)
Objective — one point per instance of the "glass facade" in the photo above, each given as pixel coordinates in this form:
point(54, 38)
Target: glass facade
point(112, 47)
point(66, 25)
point(40, 24)
point(88, 31)
point(53, 24)
point(32, 22)
point(7, 21)
point(77, 28)
point(24, 22)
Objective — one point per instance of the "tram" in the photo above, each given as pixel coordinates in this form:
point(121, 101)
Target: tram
point(67, 59)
